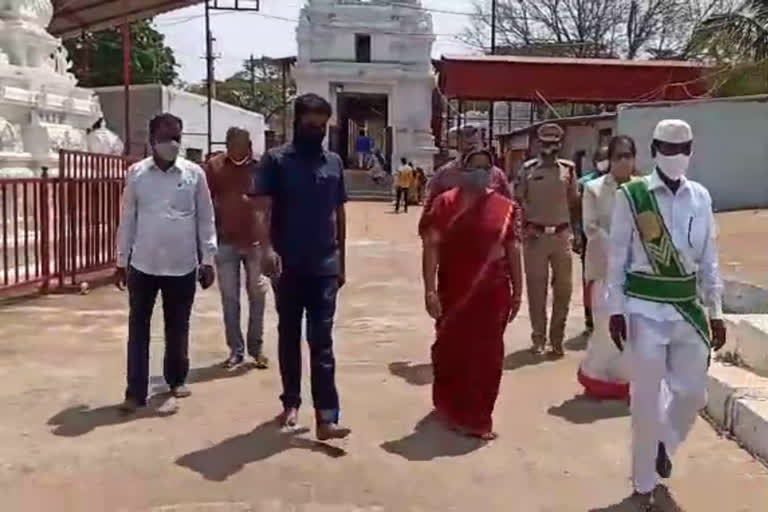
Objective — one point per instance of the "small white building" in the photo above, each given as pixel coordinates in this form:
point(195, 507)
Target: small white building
point(152, 99)
point(730, 148)
point(371, 60)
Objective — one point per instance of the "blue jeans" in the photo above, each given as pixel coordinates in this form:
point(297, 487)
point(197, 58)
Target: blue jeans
point(229, 261)
point(317, 296)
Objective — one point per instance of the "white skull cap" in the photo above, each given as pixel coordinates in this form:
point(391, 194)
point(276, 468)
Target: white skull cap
point(674, 131)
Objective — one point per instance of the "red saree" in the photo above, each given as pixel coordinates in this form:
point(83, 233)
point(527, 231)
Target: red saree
point(475, 295)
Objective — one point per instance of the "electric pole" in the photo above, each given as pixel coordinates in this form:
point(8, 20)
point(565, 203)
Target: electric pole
point(209, 73)
point(493, 27)
point(252, 72)
point(213, 5)
point(491, 113)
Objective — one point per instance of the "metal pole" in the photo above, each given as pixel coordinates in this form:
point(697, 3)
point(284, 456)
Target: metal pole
point(493, 27)
point(252, 72)
point(460, 125)
point(491, 122)
point(491, 113)
point(126, 33)
point(209, 71)
point(284, 65)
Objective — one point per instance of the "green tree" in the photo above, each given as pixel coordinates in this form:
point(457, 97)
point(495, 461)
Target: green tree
point(98, 57)
point(737, 40)
point(257, 87)
point(741, 33)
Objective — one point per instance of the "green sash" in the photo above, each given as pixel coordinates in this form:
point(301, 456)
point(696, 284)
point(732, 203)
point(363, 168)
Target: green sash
point(669, 283)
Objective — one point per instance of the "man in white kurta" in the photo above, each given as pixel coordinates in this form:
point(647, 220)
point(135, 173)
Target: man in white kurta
point(669, 353)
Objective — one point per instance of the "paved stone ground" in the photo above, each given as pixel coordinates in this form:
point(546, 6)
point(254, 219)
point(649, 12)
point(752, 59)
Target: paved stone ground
point(743, 244)
point(63, 446)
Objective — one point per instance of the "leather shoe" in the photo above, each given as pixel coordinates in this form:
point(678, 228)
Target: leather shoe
point(663, 464)
point(289, 418)
point(326, 431)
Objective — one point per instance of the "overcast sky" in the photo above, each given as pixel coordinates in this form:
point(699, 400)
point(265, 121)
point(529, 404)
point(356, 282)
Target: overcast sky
point(272, 33)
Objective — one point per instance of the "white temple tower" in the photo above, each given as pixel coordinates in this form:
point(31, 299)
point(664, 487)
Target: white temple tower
point(41, 108)
point(372, 60)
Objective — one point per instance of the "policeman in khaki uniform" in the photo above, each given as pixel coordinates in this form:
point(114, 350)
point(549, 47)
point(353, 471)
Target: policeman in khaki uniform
point(548, 193)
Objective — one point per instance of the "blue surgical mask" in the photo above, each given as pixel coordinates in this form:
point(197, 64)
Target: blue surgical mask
point(475, 179)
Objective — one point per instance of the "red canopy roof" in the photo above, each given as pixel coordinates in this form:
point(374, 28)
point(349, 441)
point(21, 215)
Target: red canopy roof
point(70, 17)
point(559, 80)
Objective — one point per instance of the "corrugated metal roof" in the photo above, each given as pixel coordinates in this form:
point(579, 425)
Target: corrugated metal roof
point(566, 80)
point(71, 17)
point(517, 59)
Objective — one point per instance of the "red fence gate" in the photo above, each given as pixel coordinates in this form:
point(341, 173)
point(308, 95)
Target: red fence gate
point(54, 228)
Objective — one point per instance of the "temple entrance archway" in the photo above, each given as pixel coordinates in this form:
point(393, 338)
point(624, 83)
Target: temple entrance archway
point(361, 111)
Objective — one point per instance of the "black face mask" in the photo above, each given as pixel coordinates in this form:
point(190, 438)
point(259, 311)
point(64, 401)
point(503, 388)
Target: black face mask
point(309, 139)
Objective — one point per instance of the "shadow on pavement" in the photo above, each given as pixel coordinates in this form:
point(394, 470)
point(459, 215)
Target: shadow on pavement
point(414, 374)
point(81, 419)
point(430, 440)
point(229, 457)
point(209, 373)
point(577, 343)
point(663, 501)
point(626, 505)
point(582, 410)
point(521, 359)
point(216, 371)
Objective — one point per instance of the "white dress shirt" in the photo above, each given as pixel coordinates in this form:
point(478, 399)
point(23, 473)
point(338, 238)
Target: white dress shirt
point(166, 220)
point(597, 209)
point(689, 219)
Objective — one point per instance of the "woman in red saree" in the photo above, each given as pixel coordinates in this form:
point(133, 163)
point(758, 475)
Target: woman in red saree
point(473, 284)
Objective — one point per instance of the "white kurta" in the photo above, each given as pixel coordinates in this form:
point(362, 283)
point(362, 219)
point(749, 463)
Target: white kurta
point(604, 371)
point(667, 356)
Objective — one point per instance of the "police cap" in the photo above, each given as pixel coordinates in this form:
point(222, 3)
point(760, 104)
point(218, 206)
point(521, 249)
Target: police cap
point(550, 132)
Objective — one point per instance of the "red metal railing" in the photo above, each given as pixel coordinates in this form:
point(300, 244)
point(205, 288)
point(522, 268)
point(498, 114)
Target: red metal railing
point(56, 228)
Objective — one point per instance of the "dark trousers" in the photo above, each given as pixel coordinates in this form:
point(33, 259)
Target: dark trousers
point(178, 294)
point(402, 193)
point(317, 296)
point(588, 320)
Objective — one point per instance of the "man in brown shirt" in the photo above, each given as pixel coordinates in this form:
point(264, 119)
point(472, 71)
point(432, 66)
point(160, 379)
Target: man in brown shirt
point(239, 229)
point(548, 193)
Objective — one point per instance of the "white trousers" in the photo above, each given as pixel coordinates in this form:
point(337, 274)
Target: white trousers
point(668, 389)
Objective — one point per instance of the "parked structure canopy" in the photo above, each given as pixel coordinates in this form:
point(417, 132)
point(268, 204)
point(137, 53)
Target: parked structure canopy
point(71, 17)
point(569, 80)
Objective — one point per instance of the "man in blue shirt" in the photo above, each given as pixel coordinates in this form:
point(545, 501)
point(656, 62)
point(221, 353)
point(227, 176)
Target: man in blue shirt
point(301, 191)
point(363, 148)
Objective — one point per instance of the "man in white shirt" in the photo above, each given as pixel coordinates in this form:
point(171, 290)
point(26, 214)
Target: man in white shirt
point(662, 257)
point(166, 228)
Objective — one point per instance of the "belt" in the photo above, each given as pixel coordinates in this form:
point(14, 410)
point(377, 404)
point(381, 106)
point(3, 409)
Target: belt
point(665, 290)
point(549, 230)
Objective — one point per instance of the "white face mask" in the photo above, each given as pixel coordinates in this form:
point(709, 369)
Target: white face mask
point(603, 165)
point(675, 166)
point(168, 151)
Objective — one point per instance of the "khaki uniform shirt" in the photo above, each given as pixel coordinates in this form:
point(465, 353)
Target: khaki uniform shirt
point(547, 194)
